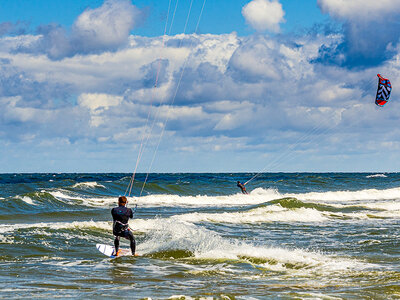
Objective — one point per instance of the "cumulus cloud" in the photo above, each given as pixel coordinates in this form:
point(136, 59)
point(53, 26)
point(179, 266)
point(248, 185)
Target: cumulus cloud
point(257, 61)
point(264, 15)
point(371, 30)
point(97, 105)
point(155, 73)
point(234, 96)
point(359, 9)
point(105, 28)
point(98, 102)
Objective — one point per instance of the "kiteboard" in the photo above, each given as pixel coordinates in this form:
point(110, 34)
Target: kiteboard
point(109, 250)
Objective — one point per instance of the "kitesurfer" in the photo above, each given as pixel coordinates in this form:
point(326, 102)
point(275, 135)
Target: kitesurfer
point(242, 187)
point(121, 216)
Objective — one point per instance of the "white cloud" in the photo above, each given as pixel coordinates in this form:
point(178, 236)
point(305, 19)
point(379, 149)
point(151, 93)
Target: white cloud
point(264, 15)
point(254, 94)
point(14, 111)
point(105, 28)
point(257, 61)
point(98, 104)
point(365, 9)
point(181, 112)
point(370, 29)
point(108, 26)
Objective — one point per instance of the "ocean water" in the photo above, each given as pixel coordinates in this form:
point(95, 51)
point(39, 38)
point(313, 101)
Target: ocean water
point(295, 236)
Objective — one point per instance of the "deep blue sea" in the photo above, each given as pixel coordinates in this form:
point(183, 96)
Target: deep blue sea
point(295, 236)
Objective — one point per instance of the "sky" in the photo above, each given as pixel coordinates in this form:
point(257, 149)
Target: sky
point(198, 86)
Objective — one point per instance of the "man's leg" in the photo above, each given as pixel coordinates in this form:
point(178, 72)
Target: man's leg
point(116, 244)
point(133, 242)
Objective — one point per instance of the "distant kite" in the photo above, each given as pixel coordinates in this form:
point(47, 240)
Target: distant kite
point(383, 93)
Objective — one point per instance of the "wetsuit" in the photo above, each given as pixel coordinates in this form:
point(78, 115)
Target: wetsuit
point(242, 187)
point(121, 216)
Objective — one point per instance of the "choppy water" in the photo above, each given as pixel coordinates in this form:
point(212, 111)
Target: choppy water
point(303, 236)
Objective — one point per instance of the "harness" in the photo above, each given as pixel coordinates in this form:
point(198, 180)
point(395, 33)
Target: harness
point(120, 227)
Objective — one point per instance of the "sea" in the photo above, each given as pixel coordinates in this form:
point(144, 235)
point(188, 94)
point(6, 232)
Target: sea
point(294, 236)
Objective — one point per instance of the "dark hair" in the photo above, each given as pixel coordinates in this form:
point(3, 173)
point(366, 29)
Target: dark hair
point(122, 200)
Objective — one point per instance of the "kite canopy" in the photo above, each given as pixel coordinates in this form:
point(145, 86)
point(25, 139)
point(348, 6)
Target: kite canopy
point(383, 93)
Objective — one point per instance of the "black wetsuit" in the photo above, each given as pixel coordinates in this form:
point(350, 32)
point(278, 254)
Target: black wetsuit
point(242, 187)
point(121, 216)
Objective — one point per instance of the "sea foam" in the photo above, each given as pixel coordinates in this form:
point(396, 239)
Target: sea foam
point(367, 194)
point(374, 199)
point(376, 176)
point(171, 234)
point(273, 213)
point(208, 245)
point(27, 200)
point(92, 185)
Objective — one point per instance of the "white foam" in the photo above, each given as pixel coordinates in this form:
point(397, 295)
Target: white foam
point(63, 195)
point(27, 200)
point(383, 205)
point(92, 185)
point(384, 214)
point(340, 196)
point(141, 224)
point(259, 196)
point(174, 234)
point(203, 200)
point(91, 202)
point(366, 215)
point(55, 225)
point(376, 176)
point(100, 202)
point(273, 213)
point(372, 199)
point(205, 244)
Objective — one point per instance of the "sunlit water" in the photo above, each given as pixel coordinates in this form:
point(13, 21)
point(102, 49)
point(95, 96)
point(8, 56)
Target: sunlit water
point(303, 236)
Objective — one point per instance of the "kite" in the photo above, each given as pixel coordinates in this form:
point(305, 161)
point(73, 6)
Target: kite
point(383, 92)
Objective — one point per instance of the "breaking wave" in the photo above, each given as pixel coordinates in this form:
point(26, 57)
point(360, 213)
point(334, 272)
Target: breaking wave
point(376, 176)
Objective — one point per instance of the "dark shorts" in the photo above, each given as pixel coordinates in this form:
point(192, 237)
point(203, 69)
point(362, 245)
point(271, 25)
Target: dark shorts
point(125, 234)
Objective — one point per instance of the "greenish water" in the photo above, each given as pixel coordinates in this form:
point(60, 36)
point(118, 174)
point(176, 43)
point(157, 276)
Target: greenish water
point(296, 236)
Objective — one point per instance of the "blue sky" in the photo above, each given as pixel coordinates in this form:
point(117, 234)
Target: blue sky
point(262, 85)
point(222, 16)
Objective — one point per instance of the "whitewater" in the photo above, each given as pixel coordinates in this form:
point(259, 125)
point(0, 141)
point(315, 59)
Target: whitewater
point(297, 235)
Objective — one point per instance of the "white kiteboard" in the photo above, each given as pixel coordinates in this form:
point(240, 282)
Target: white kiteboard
point(109, 250)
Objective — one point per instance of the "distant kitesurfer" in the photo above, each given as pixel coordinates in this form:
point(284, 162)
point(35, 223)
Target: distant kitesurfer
point(121, 216)
point(242, 187)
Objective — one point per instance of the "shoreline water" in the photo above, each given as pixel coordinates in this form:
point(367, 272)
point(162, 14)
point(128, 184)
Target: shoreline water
point(297, 235)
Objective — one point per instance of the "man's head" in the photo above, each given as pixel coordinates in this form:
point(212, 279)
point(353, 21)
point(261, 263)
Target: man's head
point(122, 200)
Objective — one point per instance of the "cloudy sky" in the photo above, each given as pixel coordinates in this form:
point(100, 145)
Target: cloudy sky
point(198, 86)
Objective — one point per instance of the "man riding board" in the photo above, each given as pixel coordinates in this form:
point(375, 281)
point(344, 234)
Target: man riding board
point(121, 216)
point(242, 187)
